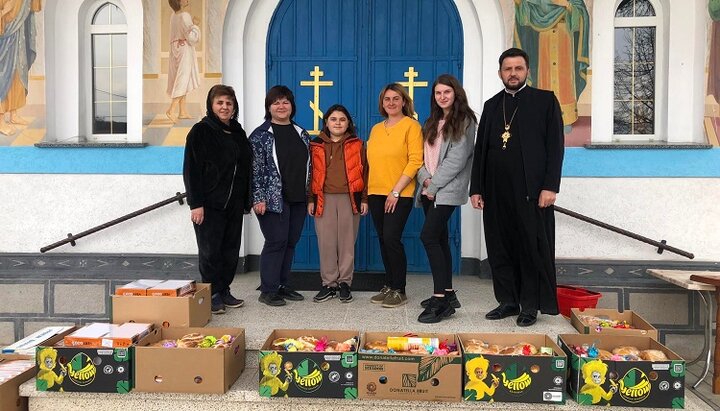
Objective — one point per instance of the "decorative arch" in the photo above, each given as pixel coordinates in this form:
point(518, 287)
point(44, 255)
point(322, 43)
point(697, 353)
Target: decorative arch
point(244, 67)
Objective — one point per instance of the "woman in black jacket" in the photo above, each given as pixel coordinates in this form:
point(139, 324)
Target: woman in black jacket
point(216, 171)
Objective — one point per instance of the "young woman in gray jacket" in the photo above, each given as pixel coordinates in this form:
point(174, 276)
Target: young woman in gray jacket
point(448, 136)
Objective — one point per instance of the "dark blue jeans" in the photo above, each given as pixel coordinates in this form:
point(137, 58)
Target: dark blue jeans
point(282, 232)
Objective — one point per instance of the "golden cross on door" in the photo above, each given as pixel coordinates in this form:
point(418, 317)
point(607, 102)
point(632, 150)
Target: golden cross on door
point(316, 83)
point(411, 83)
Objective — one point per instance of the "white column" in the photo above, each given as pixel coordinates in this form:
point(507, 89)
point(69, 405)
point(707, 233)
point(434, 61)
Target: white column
point(686, 70)
point(151, 37)
point(602, 39)
point(215, 11)
point(62, 65)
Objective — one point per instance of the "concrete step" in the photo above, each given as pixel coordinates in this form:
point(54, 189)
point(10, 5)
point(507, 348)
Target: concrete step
point(244, 396)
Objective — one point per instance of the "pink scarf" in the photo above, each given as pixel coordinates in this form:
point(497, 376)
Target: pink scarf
point(432, 152)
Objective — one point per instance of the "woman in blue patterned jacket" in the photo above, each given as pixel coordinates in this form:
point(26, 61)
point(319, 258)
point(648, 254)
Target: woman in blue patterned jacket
point(281, 165)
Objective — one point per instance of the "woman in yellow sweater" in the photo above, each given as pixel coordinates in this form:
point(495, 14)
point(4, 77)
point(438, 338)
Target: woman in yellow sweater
point(394, 153)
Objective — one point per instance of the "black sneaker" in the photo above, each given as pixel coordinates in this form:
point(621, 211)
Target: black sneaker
point(326, 294)
point(289, 294)
point(437, 309)
point(452, 299)
point(216, 304)
point(231, 301)
point(271, 299)
point(345, 295)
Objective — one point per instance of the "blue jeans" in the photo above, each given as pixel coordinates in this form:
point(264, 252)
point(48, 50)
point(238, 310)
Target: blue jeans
point(282, 232)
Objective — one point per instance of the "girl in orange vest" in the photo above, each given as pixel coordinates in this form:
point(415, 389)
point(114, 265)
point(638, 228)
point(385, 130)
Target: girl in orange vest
point(337, 198)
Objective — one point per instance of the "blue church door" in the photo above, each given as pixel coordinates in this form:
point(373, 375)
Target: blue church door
point(330, 51)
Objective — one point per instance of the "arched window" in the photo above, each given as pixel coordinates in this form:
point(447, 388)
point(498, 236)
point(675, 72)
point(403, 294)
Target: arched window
point(637, 72)
point(108, 64)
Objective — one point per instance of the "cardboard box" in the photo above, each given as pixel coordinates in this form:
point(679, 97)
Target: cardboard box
point(641, 327)
point(189, 370)
point(46, 335)
point(10, 399)
point(409, 377)
point(656, 384)
point(308, 374)
point(172, 288)
point(84, 369)
point(188, 311)
point(99, 335)
point(138, 287)
point(514, 378)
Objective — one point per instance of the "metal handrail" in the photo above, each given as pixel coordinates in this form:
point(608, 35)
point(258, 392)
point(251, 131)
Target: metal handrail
point(661, 245)
point(71, 238)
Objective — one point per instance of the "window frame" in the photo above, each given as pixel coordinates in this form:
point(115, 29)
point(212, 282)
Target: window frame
point(87, 78)
point(659, 134)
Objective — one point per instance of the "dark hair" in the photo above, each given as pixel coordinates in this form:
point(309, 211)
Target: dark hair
point(408, 108)
point(220, 90)
point(514, 52)
point(339, 107)
point(458, 119)
point(175, 4)
point(276, 93)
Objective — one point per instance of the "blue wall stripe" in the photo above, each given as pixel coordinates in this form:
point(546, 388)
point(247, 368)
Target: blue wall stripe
point(579, 162)
point(582, 162)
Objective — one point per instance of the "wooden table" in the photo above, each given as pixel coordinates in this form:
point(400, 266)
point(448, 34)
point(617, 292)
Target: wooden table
point(687, 280)
point(713, 279)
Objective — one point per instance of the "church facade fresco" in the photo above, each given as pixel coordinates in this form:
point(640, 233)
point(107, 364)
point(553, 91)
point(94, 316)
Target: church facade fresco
point(573, 44)
point(186, 46)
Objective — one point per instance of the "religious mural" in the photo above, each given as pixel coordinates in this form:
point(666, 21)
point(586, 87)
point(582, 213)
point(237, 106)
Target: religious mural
point(556, 36)
point(181, 64)
point(712, 108)
point(182, 59)
point(18, 53)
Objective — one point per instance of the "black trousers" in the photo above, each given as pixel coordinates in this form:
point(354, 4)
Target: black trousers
point(389, 227)
point(218, 239)
point(435, 238)
point(282, 232)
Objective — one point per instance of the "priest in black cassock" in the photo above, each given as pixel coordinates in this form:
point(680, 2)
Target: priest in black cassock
point(515, 179)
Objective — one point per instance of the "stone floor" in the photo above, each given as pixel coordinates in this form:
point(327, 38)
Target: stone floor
point(259, 320)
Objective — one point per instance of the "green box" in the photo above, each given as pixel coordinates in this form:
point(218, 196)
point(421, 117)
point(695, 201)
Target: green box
point(514, 378)
point(652, 384)
point(84, 369)
point(308, 374)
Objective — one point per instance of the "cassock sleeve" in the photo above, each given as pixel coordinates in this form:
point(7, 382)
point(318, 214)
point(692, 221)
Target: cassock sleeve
point(477, 165)
point(554, 146)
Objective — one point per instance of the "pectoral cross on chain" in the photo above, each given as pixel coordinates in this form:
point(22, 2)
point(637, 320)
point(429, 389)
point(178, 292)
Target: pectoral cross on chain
point(505, 136)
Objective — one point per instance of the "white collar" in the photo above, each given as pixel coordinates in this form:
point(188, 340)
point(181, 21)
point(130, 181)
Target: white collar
point(513, 92)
